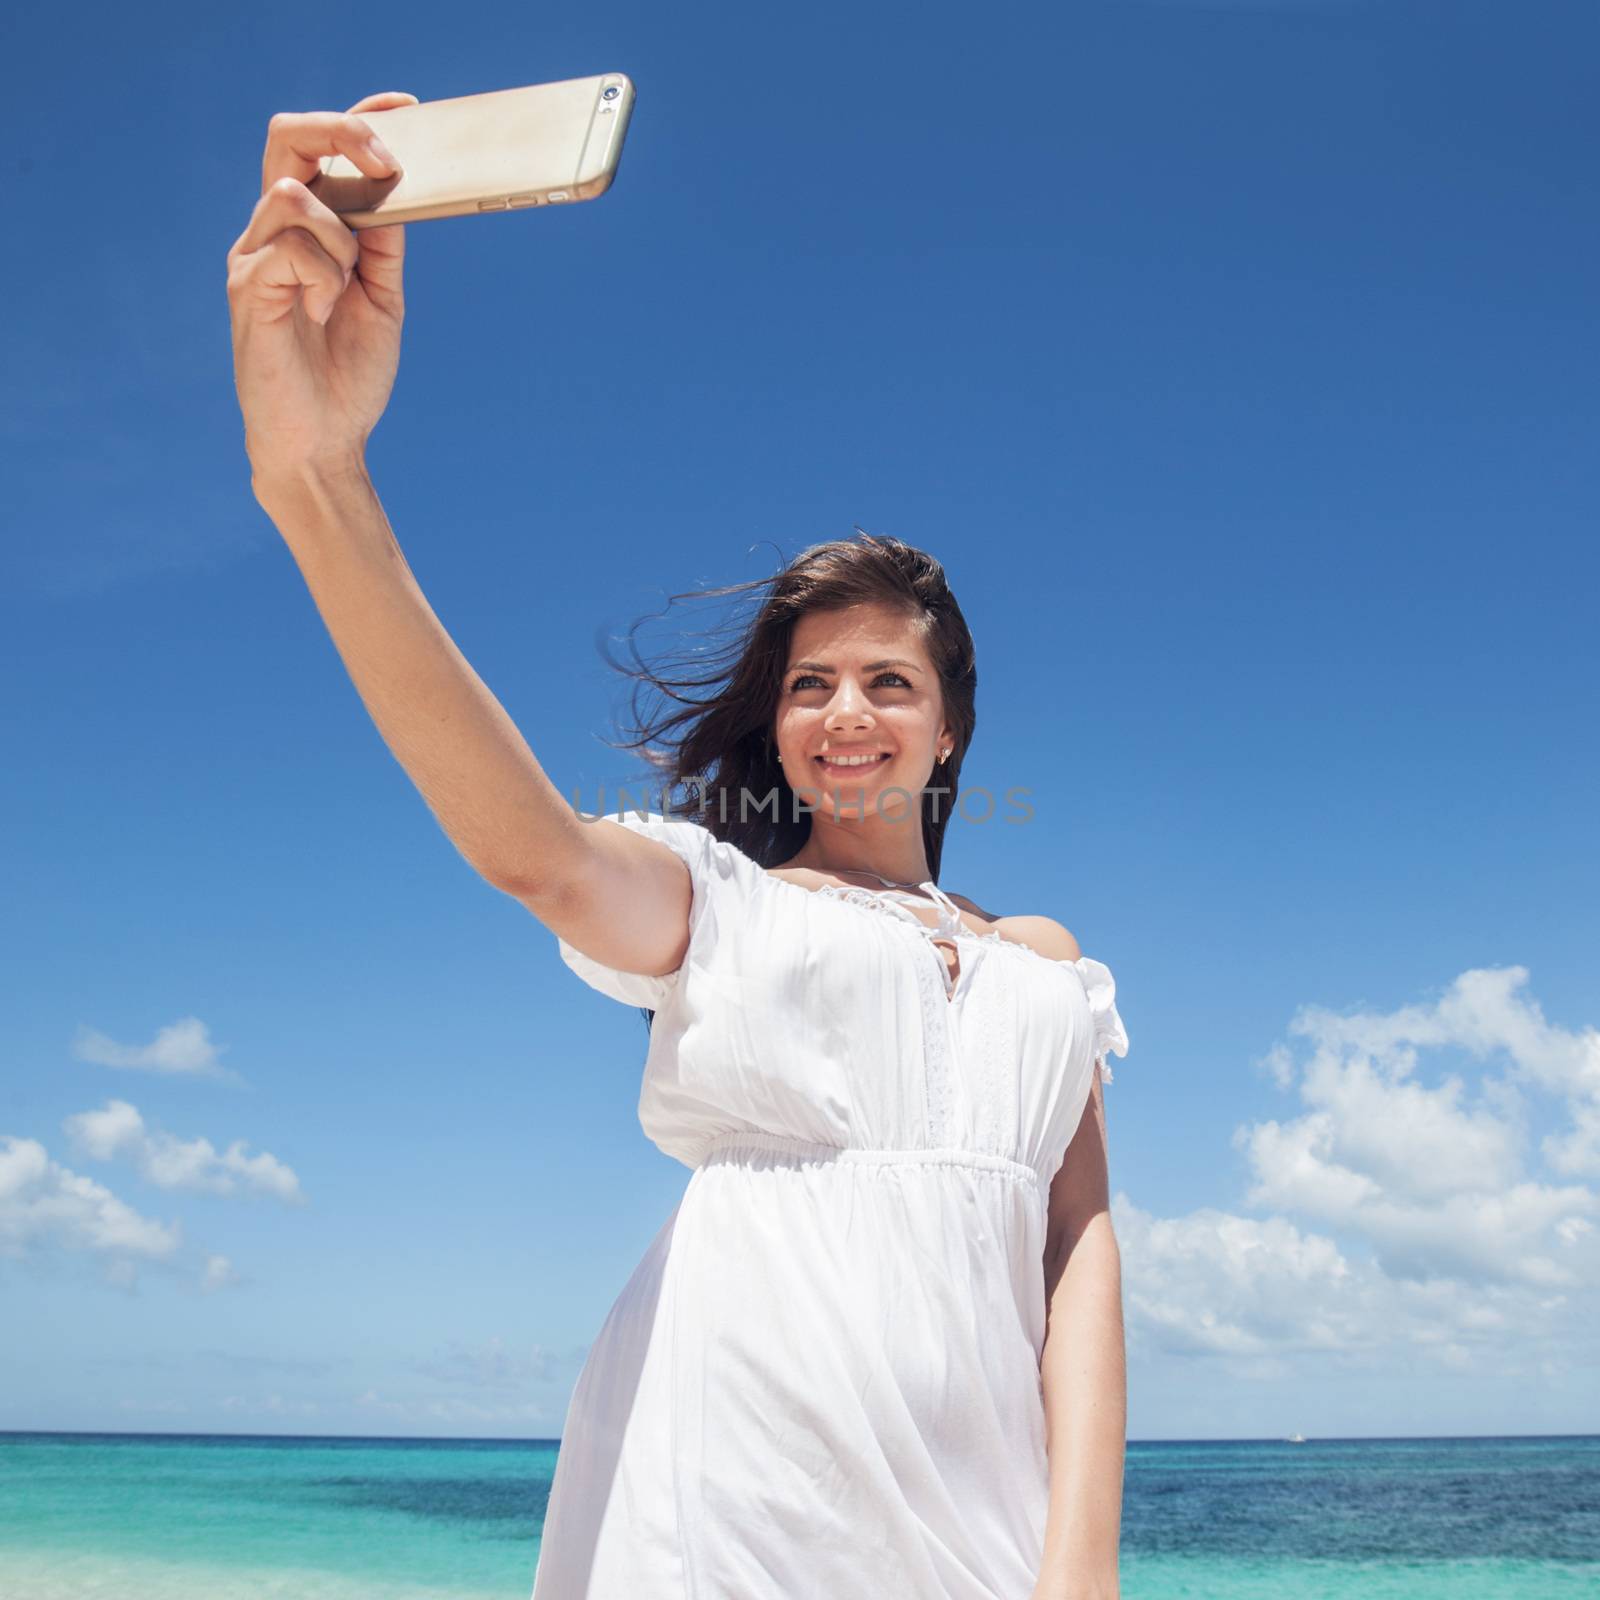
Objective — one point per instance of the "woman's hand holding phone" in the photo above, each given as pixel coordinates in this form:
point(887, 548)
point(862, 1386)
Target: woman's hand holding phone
point(315, 308)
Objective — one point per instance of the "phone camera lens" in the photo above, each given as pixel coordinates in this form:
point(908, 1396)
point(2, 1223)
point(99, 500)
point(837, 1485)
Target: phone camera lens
point(610, 92)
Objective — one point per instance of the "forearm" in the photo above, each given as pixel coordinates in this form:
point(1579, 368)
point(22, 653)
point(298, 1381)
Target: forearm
point(454, 739)
point(1084, 1374)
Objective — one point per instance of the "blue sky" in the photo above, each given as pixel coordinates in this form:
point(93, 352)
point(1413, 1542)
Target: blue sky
point(1239, 363)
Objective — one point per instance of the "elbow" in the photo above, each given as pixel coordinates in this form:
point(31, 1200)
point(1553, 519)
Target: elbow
point(544, 896)
point(1085, 1248)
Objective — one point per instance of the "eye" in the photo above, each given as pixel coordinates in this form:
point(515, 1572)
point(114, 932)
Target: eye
point(801, 681)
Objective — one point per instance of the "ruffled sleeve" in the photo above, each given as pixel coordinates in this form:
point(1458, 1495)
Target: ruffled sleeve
point(710, 874)
point(1110, 1037)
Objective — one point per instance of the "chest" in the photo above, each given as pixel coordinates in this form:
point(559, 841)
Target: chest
point(834, 975)
point(823, 1016)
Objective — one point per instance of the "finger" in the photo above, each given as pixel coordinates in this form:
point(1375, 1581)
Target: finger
point(289, 204)
point(381, 263)
point(385, 101)
point(298, 140)
point(273, 278)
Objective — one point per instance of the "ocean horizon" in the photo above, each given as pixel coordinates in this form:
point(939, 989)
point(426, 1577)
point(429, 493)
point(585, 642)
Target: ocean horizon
point(177, 1516)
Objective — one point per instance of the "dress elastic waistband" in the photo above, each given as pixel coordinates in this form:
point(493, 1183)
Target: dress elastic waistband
point(730, 1147)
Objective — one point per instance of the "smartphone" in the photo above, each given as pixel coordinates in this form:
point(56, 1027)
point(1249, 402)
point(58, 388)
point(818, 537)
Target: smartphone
point(546, 144)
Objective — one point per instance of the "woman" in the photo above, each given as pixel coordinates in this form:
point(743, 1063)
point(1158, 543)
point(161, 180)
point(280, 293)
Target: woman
point(877, 1348)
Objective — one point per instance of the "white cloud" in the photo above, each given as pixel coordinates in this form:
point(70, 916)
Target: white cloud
point(103, 1134)
point(1403, 1210)
point(1434, 1178)
point(449, 1411)
point(218, 1274)
point(490, 1365)
point(181, 1048)
point(117, 1131)
point(44, 1205)
point(1485, 1014)
point(272, 1405)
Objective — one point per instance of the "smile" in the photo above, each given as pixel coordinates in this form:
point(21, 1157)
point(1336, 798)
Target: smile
point(851, 763)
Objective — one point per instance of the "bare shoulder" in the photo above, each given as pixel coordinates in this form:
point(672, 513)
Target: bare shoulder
point(1043, 934)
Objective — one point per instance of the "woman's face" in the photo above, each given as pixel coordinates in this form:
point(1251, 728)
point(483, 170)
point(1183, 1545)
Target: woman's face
point(859, 683)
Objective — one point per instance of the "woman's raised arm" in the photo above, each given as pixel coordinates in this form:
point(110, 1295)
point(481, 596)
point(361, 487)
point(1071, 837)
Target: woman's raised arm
point(316, 311)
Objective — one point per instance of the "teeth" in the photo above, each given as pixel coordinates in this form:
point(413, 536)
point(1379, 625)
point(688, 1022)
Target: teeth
point(851, 761)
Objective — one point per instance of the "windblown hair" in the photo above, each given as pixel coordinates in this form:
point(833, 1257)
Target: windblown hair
point(714, 734)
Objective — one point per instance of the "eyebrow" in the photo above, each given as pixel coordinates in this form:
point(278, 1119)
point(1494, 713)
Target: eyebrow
point(871, 666)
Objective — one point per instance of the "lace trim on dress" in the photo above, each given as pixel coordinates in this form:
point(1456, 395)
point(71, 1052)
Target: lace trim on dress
point(1110, 1037)
point(853, 894)
point(874, 900)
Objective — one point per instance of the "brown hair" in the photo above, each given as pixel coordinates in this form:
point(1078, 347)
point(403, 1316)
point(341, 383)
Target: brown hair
point(717, 738)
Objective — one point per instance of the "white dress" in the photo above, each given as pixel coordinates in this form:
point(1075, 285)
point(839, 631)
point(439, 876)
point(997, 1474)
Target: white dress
point(822, 1380)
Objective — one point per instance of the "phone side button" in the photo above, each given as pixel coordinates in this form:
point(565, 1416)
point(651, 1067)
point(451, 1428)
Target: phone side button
point(491, 205)
point(523, 200)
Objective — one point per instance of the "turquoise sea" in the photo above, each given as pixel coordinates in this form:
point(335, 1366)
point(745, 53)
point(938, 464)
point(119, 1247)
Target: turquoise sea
point(170, 1517)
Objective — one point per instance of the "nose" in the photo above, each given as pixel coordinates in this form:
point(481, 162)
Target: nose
point(849, 709)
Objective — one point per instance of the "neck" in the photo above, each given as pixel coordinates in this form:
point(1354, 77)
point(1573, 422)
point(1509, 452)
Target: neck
point(890, 850)
point(911, 875)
